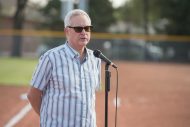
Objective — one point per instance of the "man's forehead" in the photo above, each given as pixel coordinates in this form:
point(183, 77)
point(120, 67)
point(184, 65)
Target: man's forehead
point(80, 19)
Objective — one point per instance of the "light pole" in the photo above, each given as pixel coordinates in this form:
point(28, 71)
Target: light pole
point(66, 6)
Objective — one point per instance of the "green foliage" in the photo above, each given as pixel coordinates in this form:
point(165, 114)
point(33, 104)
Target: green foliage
point(101, 13)
point(137, 12)
point(177, 12)
point(132, 11)
point(16, 71)
point(52, 14)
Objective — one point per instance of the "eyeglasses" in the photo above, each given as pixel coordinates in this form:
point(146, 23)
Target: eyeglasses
point(79, 29)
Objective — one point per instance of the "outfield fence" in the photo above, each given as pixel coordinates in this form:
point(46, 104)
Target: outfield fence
point(115, 46)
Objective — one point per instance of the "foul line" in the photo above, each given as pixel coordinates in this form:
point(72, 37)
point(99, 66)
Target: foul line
point(18, 116)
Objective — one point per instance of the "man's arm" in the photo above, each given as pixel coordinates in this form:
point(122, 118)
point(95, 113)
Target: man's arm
point(35, 98)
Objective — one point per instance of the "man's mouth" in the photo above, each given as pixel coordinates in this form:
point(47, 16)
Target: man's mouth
point(83, 38)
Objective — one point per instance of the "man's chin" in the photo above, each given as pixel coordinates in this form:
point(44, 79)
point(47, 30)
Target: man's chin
point(83, 43)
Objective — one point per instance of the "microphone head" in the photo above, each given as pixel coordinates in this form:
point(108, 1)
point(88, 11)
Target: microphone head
point(97, 53)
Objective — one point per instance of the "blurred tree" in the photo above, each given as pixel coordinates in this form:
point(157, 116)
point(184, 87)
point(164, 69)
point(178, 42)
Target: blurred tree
point(52, 15)
point(131, 12)
point(0, 7)
point(177, 13)
point(101, 13)
point(18, 24)
point(167, 16)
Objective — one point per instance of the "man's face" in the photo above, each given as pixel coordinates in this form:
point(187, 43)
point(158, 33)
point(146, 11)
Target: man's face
point(78, 37)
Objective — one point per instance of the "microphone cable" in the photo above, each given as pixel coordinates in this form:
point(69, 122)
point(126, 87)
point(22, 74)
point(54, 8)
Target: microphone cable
point(116, 101)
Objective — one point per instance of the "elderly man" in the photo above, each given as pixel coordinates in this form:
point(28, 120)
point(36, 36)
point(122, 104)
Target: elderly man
point(66, 78)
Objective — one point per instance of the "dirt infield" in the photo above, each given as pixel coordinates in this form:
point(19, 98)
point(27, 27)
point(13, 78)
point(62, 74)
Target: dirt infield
point(150, 95)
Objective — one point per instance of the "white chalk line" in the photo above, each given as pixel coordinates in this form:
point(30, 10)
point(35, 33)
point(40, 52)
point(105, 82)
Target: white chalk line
point(28, 107)
point(14, 120)
point(18, 116)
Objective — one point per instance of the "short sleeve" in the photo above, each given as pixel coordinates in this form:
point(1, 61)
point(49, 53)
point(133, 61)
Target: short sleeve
point(42, 73)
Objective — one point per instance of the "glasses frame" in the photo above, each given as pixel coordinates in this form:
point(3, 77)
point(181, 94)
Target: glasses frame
point(79, 29)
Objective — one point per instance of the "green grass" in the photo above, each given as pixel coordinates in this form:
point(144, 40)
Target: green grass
point(16, 71)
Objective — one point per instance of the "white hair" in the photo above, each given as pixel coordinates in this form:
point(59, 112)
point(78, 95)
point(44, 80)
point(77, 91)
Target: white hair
point(72, 13)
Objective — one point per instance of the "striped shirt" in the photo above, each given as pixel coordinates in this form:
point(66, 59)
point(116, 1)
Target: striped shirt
point(68, 87)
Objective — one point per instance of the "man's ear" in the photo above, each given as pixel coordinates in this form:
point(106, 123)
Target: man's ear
point(66, 31)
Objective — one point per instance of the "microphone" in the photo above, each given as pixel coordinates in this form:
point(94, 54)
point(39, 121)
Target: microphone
point(98, 53)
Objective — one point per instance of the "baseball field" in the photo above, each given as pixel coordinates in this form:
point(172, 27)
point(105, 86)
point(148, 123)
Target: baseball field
point(150, 94)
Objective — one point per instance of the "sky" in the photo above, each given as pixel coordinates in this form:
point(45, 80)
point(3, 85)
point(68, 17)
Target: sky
point(40, 2)
point(116, 3)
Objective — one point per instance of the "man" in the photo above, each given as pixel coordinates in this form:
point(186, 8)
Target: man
point(63, 85)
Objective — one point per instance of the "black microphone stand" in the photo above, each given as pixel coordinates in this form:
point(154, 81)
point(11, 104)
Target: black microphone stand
point(107, 89)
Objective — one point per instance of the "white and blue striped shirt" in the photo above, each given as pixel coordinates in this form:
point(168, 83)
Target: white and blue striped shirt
point(68, 87)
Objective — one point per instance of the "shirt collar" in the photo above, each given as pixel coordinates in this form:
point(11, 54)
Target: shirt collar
point(73, 53)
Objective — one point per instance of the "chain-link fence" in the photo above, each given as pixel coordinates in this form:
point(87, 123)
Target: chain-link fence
point(114, 46)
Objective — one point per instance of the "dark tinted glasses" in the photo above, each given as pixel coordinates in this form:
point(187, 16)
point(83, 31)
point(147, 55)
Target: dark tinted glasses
point(79, 29)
